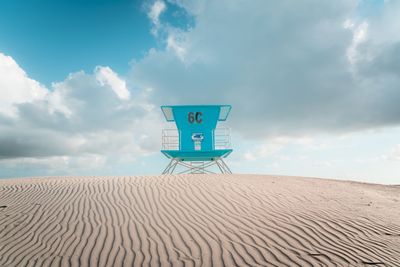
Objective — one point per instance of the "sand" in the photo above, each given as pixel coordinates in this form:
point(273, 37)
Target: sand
point(198, 220)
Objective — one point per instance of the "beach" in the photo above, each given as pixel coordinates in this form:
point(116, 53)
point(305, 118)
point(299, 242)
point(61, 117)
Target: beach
point(198, 220)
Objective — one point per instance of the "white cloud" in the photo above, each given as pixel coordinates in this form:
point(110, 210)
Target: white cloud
point(156, 9)
point(395, 153)
point(359, 36)
point(272, 147)
point(16, 87)
point(106, 76)
point(83, 120)
point(249, 156)
point(176, 46)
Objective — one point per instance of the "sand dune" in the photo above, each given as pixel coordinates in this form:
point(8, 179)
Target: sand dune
point(198, 220)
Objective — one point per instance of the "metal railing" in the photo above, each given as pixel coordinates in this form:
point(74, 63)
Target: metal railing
point(170, 138)
point(222, 138)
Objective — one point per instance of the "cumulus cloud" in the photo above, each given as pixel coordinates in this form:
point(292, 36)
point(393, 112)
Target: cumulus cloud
point(288, 68)
point(107, 77)
point(84, 117)
point(16, 87)
point(176, 45)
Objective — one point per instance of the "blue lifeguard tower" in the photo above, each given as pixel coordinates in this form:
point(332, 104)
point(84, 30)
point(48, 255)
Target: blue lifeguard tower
point(196, 145)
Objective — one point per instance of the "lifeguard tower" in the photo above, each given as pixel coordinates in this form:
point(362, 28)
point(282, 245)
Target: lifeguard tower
point(196, 145)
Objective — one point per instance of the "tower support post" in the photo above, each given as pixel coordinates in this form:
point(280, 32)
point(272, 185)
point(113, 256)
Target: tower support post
point(196, 167)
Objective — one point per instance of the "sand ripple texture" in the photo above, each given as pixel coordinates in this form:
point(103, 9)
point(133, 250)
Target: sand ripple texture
point(198, 220)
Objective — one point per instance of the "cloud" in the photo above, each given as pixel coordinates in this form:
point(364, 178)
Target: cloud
point(359, 36)
point(106, 76)
point(287, 68)
point(16, 87)
point(275, 147)
point(84, 117)
point(154, 12)
point(290, 69)
point(394, 154)
point(176, 45)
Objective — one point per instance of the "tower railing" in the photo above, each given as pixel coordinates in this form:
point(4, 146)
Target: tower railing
point(170, 138)
point(222, 138)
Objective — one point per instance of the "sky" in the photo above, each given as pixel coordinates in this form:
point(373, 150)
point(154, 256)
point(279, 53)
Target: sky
point(314, 85)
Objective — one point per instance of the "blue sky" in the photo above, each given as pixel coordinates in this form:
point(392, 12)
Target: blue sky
point(53, 38)
point(313, 84)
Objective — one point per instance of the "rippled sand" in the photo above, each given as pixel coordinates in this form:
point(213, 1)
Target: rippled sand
point(198, 220)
